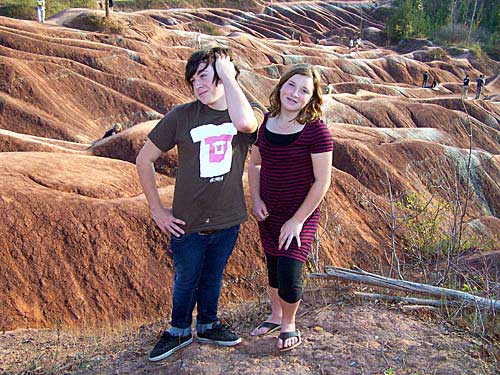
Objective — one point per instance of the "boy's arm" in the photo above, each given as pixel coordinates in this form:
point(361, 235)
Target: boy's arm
point(259, 207)
point(162, 216)
point(145, 168)
point(239, 108)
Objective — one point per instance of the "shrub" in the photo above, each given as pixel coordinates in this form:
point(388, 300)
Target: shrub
point(94, 22)
point(425, 237)
point(438, 54)
point(493, 46)
point(476, 50)
point(252, 5)
point(25, 9)
point(207, 28)
point(452, 34)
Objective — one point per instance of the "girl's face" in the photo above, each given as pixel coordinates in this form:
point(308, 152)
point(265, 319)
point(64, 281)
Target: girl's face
point(296, 93)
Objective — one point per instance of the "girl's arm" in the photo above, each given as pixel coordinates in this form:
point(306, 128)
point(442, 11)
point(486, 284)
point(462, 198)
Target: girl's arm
point(322, 167)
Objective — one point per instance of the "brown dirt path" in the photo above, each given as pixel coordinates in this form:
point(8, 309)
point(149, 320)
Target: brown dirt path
point(347, 338)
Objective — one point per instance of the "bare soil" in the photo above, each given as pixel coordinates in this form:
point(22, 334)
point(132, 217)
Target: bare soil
point(341, 335)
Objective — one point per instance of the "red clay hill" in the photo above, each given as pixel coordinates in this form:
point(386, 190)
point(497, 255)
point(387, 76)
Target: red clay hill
point(77, 243)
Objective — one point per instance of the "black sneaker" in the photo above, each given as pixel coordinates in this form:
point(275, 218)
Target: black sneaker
point(219, 334)
point(168, 345)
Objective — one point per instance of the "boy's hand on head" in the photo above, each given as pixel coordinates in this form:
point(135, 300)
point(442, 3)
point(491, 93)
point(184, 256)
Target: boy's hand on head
point(224, 66)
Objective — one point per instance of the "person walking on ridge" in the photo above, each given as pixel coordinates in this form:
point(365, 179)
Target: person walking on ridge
point(479, 86)
point(40, 10)
point(425, 79)
point(465, 86)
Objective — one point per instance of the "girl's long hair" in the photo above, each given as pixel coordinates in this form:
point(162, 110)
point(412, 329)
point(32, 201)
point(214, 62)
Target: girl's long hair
point(312, 111)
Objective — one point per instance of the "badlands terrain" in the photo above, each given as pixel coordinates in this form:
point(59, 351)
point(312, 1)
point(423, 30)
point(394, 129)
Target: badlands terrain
point(78, 247)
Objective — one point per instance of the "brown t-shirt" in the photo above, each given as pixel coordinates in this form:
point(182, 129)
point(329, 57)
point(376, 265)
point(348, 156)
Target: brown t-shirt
point(208, 191)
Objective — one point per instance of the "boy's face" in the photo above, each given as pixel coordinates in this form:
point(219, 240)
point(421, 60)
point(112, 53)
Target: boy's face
point(205, 90)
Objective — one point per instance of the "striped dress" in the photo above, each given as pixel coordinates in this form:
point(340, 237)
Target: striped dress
point(286, 177)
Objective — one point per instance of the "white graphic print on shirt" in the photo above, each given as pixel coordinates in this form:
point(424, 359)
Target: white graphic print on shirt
point(216, 150)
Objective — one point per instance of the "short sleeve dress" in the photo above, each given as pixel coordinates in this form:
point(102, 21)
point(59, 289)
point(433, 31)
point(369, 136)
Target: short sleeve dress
point(286, 177)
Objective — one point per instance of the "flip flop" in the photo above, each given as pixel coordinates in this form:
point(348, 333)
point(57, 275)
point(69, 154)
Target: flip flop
point(288, 335)
point(272, 327)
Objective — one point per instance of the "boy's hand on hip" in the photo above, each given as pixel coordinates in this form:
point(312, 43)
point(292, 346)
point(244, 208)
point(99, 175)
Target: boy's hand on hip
point(166, 221)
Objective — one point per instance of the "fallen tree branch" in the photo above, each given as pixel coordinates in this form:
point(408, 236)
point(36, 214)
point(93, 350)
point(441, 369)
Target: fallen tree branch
point(415, 301)
point(369, 278)
point(418, 308)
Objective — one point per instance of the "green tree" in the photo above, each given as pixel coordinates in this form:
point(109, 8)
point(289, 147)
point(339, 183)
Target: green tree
point(428, 18)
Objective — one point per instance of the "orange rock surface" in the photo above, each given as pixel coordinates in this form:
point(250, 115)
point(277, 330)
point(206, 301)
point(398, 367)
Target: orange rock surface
point(77, 242)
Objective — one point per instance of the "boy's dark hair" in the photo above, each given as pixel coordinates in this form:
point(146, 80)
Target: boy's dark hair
point(207, 56)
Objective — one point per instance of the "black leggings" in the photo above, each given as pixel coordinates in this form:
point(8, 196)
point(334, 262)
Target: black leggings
point(285, 274)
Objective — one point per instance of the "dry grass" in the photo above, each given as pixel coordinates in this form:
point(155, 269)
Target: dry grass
point(68, 350)
point(96, 351)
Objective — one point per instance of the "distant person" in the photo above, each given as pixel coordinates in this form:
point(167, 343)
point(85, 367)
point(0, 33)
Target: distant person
point(425, 79)
point(102, 2)
point(435, 84)
point(358, 43)
point(351, 44)
point(197, 40)
point(40, 10)
point(213, 134)
point(329, 89)
point(300, 39)
point(286, 200)
point(465, 86)
point(479, 87)
point(117, 128)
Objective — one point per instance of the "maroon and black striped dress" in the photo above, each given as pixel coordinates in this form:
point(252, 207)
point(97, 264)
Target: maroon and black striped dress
point(286, 177)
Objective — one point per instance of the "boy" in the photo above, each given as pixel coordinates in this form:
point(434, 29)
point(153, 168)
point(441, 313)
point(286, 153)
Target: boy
point(212, 135)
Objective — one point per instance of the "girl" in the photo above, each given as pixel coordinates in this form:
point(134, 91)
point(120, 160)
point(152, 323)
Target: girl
point(289, 174)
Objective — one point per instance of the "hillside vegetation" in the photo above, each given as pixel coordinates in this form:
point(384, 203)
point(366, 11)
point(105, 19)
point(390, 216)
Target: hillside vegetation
point(24, 9)
point(464, 22)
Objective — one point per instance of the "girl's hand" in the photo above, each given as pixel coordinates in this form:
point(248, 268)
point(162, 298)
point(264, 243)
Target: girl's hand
point(290, 230)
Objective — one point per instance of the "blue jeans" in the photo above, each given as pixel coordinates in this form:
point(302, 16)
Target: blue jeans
point(199, 261)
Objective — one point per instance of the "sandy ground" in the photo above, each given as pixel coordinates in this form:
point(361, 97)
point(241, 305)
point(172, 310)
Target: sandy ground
point(341, 336)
